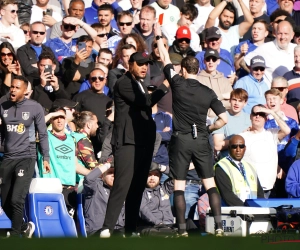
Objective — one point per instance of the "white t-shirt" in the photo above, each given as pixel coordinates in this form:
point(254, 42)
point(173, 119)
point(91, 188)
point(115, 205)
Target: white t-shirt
point(261, 152)
point(230, 39)
point(37, 15)
point(18, 38)
point(169, 15)
point(203, 13)
point(169, 31)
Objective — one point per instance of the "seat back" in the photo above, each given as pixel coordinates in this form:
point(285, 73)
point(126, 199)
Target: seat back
point(80, 215)
point(49, 214)
point(272, 202)
point(4, 220)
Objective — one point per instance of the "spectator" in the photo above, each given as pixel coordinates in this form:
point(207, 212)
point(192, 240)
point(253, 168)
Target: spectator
point(288, 6)
point(254, 83)
point(257, 140)
point(26, 29)
point(9, 32)
point(97, 186)
point(137, 41)
point(215, 80)
point(227, 16)
point(39, 14)
point(75, 70)
point(292, 183)
point(296, 38)
point(181, 44)
point(257, 12)
point(101, 39)
point(145, 27)
point(213, 39)
point(237, 179)
point(188, 13)
point(106, 18)
point(121, 68)
point(9, 67)
point(29, 53)
point(125, 24)
point(275, 52)
point(166, 12)
point(105, 57)
point(238, 122)
point(281, 84)
point(48, 87)
point(63, 163)
point(259, 33)
point(76, 9)
point(204, 8)
point(275, 18)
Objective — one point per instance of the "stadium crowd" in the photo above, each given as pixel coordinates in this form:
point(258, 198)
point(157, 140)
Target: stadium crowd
point(62, 64)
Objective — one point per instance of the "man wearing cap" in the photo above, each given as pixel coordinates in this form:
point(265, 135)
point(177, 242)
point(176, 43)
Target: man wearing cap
point(133, 140)
point(189, 141)
point(182, 42)
point(237, 179)
point(254, 83)
point(231, 34)
point(215, 80)
point(188, 13)
point(213, 39)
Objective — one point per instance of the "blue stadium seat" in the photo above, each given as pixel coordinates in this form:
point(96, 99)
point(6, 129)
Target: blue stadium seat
point(80, 215)
point(272, 202)
point(4, 221)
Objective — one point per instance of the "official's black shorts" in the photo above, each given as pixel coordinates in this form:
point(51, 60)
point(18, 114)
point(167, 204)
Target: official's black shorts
point(183, 149)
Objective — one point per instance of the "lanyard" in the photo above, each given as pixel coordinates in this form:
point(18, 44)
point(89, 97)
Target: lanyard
point(240, 168)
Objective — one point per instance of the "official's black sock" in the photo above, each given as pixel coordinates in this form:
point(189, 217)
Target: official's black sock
point(180, 206)
point(215, 204)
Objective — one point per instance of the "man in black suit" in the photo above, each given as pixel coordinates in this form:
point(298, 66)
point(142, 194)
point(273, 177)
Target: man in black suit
point(133, 140)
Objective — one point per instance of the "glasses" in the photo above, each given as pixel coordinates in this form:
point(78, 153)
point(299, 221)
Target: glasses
point(100, 78)
point(208, 59)
point(235, 146)
point(279, 88)
point(261, 114)
point(69, 26)
point(259, 69)
point(127, 24)
point(181, 40)
point(6, 54)
point(103, 35)
point(13, 11)
point(38, 32)
point(25, 31)
point(155, 45)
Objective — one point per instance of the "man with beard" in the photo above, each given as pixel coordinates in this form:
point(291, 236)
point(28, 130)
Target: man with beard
point(181, 45)
point(226, 13)
point(106, 18)
point(133, 140)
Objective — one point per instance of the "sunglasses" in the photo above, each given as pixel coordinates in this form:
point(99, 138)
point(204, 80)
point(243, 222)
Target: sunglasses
point(208, 59)
point(13, 11)
point(261, 69)
point(127, 24)
point(38, 32)
point(100, 78)
point(155, 45)
point(25, 31)
point(279, 88)
point(69, 26)
point(6, 54)
point(235, 146)
point(181, 40)
point(103, 35)
point(261, 114)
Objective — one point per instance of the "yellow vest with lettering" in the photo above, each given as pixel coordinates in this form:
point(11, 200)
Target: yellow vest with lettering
point(237, 179)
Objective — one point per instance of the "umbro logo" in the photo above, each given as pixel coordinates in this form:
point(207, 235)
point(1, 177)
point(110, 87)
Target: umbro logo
point(63, 149)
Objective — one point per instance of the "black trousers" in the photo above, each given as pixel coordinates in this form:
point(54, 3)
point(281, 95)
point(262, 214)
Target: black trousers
point(132, 164)
point(16, 175)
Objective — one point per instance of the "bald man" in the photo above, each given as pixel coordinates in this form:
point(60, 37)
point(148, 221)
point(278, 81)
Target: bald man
point(236, 179)
point(278, 54)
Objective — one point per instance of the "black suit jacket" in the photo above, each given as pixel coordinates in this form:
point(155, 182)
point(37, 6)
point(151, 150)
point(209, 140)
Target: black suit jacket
point(133, 122)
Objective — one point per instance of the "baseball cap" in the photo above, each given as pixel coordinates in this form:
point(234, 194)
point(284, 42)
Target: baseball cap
point(140, 57)
point(64, 103)
point(212, 32)
point(211, 52)
point(175, 58)
point(257, 61)
point(183, 32)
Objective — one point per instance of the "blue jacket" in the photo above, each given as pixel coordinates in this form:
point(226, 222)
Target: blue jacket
point(225, 68)
point(60, 49)
point(162, 120)
point(292, 181)
point(271, 6)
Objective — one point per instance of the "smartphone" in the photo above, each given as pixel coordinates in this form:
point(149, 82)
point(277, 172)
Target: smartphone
point(81, 45)
point(48, 68)
point(49, 12)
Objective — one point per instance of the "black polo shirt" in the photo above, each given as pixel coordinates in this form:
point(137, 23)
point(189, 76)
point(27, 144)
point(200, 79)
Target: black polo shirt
point(191, 101)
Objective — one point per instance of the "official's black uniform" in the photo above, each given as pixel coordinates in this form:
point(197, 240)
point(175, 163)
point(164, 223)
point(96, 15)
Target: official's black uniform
point(191, 101)
point(20, 120)
point(133, 140)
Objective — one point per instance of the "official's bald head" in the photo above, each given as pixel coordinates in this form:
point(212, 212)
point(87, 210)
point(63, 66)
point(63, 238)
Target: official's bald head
point(284, 34)
point(234, 138)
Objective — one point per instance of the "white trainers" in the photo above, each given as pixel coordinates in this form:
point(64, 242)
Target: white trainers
point(135, 235)
point(105, 234)
point(29, 231)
